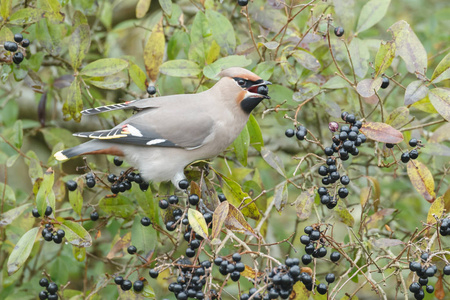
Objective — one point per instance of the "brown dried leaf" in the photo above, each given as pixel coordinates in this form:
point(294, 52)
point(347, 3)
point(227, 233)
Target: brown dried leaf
point(372, 221)
point(304, 203)
point(154, 51)
point(219, 216)
point(422, 180)
point(281, 196)
point(376, 191)
point(118, 249)
point(436, 209)
point(236, 222)
point(439, 292)
point(446, 197)
point(367, 87)
point(382, 132)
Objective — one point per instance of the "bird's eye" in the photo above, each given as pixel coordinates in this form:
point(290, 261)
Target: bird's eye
point(241, 82)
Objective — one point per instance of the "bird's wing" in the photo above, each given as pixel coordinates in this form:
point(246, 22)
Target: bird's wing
point(162, 127)
point(135, 104)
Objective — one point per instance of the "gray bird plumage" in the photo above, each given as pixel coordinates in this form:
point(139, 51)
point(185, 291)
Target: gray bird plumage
point(167, 133)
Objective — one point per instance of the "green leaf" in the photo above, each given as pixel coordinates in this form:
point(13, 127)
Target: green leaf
point(256, 138)
point(201, 39)
point(9, 195)
point(240, 145)
point(26, 15)
point(180, 68)
point(7, 217)
point(367, 87)
point(104, 67)
point(76, 234)
point(18, 134)
point(142, 8)
point(5, 8)
point(144, 238)
point(52, 10)
point(80, 41)
point(371, 13)
point(222, 31)
point(166, 6)
point(409, 47)
point(198, 223)
point(344, 215)
point(304, 203)
point(74, 105)
point(154, 51)
point(55, 135)
point(265, 69)
point(22, 250)
point(384, 58)
point(335, 82)
point(117, 206)
point(45, 196)
point(360, 55)
point(34, 167)
point(415, 91)
point(399, 117)
point(138, 76)
point(306, 91)
point(79, 253)
point(442, 71)
point(440, 98)
point(306, 59)
point(223, 63)
point(112, 82)
point(274, 161)
point(76, 198)
point(235, 195)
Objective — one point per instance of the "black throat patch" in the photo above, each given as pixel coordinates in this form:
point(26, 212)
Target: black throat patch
point(249, 103)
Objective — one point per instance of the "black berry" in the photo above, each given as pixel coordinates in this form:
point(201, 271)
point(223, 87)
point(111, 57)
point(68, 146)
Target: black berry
point(384, 82)
point(153, 273)
point(94, 216)
point(131, 250)
point(126, 285)
point(25, 43)
point(118, 162)
point(48, 211)
point(52, 288)
point(146, 221)
point(330, 278)
point(236, 257)
point(138, 286)
point(335, 256)
point(193, 199)
point(144, 186)
point(10, 46)
point(173, 199)
point(289, 132)
point(183, 184)
point(339, 31)
point(71, 185)
point(43, 295)
point(43, 282)
point(163, 204)
point(151, 90)
point(90, 182)
point(222, 197)
point(18, 37)
point(35, 213)
point(242, 2)
point(322, 288)
point(405, 157)
point(118, 280)
point(413, 154)
point(18, 57)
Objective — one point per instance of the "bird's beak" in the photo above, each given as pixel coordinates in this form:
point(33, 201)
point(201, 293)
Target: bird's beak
point(260, 90)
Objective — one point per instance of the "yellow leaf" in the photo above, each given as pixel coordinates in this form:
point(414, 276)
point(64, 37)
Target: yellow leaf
point(142, 8)
point(437, 209)
point(198, 223)
point(422, 180)
point(154, 51)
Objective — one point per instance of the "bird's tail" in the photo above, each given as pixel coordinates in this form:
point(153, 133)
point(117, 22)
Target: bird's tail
point(91, 147)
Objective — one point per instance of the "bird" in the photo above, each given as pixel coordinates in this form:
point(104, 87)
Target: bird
point(167, 133)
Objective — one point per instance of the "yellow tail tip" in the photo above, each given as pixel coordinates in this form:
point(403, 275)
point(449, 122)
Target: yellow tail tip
point(60, 156)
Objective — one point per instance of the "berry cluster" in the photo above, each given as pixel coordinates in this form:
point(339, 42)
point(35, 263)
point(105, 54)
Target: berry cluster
point(407, 155)
point(126, 284)
point(48, 212)
point(300, 133)
point(283, 279)
point(190, 281)
point(424, 271)
point(50, 290)
point(49, 235)
point(234, 268)
point(14, 47)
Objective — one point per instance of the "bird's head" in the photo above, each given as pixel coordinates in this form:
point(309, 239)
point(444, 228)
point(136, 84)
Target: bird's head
point(250, 88)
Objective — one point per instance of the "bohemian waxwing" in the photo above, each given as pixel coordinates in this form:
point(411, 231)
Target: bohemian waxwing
point(167, 133)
